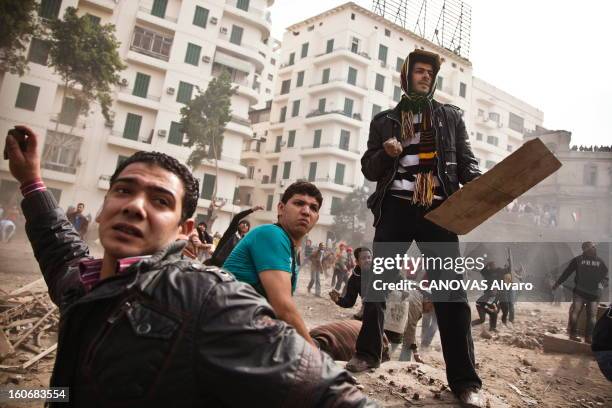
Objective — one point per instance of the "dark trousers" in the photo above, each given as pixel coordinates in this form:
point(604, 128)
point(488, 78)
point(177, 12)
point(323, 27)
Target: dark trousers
point(402, 223)
point(507, 308)
point(482, 314)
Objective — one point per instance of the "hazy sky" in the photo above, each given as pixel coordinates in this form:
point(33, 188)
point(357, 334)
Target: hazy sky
point(554, 54)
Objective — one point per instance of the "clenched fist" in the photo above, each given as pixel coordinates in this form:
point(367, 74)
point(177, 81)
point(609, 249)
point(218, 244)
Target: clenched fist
point(393, 147)
point(24, 165)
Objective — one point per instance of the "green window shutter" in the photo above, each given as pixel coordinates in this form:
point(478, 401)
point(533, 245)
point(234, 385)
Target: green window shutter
point(49, 8)
point(382, 53)
point(300, 79)
point(376, 110)
point(176, 135)
point(243, 5)
point(159, 8)
point(185, 91)
point(70, 112)
point(27, 96)
point(193, 54)
point(269, 202)
point(295, 109)
point(200, 17)
point(277, 146)
point(39, 51)
point(398, 64)
point(274, 173)
point(330, 46)
point(236, 36)
point(339, 178)
point(352, 76)
point(285, 86)
point(380, 83)
point(312, 171)
point(291, 138)
point(132, 126)
point(345, 139)
point(292, 58)
point(208, 185)
point(348, 106)
point(321, 107)
point(283, 114)
point(304, 52)
point(317, 138)
point(397, 93)
point(286, 170)
point(325, 76)
point(141, 85)
point(439, 82)
point(336, 204)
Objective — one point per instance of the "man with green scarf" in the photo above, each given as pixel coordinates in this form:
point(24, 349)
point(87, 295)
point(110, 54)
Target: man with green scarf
point(419, 154)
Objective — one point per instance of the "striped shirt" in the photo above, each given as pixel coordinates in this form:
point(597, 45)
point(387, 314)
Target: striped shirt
point(89, 270)
point(403, 183)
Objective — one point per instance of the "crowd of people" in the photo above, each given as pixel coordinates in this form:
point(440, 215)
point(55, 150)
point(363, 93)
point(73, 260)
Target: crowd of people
point(545, 215)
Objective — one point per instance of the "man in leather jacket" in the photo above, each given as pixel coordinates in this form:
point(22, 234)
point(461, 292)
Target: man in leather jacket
point(145, 327)
point(418, 154)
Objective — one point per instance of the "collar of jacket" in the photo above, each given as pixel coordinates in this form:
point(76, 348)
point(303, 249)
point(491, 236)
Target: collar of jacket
point(396, 115)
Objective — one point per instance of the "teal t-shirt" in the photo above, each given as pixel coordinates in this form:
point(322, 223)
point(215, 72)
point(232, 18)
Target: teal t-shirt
point(264, 248)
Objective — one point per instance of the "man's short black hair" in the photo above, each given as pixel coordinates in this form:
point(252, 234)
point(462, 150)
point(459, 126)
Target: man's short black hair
point(203, 223)
point(245, 222)
point(190, 184)
point(302, 187)
point(359, 250)
point(81, 204)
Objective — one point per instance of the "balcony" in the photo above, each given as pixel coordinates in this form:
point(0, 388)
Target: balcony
point(361, 58)
point(259, 17)
point(317, 116)
point(251, 154)
point(329, 184)
point(167, 22)
point(331, 149)
point(340, 84)
point(245, 51)
point(115, 137)
point(65, 125)
point(268, 185)
point(58, 172)
point(141, 56)
point(150, 102)
point(104, 5)
point(487, 123)
point(245, 182)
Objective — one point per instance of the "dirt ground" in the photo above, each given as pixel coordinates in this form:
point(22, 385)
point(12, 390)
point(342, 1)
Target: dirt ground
point(514, 369)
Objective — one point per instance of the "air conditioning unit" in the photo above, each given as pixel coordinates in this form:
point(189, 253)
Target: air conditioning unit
point(170, 90)
point(124, 82)
point(206, 59)
point(283, 143)
point(213, 20)
point(282, 183)
point(162, 132)
point(223, 30)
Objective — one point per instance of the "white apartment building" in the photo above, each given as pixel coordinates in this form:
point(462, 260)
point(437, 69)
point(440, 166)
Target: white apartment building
point(171, 47)
point(338, 69)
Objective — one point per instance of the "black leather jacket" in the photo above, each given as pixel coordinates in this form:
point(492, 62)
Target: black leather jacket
point(170, 332)
point(456, 161)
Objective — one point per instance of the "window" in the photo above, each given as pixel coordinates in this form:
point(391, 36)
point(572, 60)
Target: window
point(200, 17)
point(292, 58)
point(176, 134)
point(283, 114)
point(479, 136)
point(330, 46)
point(269, 202)
point(39, 51)
point(95, 20)
point(376, 110)
point(339, 177)
point(316, 143)
point(295, 109)
point(286, 170)
point(27, 96)
point(49, 8)
point(397, 93)
point(185, 91)
point(439, 82)
point(379, 85)
point(151, 43)
point(304, 52)
point(274, 173)
point(273, 61)
point(355, 45)
point(494, 116)
point(312, 171)
point(321, 107)
point(590, 175)
point(132, 126)
point(300, 79)
point(509, 148)
point(291, 138)
point(352, 76)
point(243, 5)
point(387, 32)
point(285, 86)
point(208, 185)
point(336, 205)
point(277, 145)
point(494, 140)
point(352, 16)
point(480, 113)
point(70, 111)
point(61, 152)
point(141, 85)
point(398, 64)
point(159, 8)
point(236, 35)
point(348, 107)
point(462, 89)
point(270, 77)
point(489, 164)
point(325, 78)
point(515, 122)
point(382, 53)
point(345, 139)
point(193, 54)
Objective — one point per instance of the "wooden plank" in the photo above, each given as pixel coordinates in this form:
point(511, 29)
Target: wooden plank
point(477, 201)
point(39, 356)
point(21, 322)
point(6, 348)
point(27, 333)
point(28, 286)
